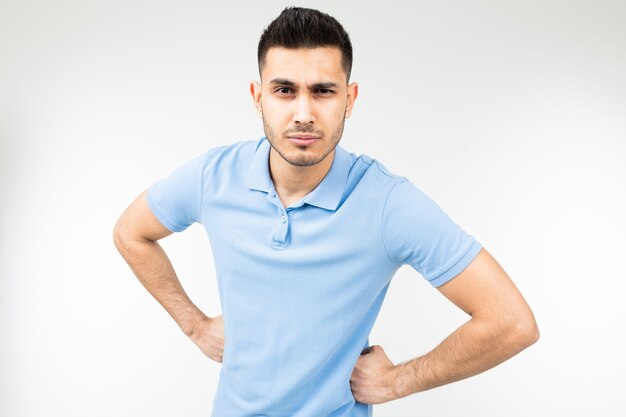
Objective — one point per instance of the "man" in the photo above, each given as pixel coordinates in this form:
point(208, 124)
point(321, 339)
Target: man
point(306, 238)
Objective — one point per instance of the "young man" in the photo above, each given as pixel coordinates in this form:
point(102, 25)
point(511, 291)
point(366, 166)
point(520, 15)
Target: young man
point(306, 238)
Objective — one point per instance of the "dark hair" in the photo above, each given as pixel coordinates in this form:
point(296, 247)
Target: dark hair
point(297, 27)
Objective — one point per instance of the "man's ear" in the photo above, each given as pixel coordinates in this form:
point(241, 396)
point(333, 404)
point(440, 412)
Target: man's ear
point(255, 91)
point(353, 93)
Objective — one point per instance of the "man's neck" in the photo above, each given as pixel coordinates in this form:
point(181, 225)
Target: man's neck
point(293, 182)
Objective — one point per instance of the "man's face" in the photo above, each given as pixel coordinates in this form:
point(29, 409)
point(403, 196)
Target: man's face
point(304, 100)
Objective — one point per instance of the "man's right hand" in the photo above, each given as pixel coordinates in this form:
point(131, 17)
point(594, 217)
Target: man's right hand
point(208, 335)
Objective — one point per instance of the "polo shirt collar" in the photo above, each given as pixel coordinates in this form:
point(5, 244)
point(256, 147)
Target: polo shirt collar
point(326, 195)
point(258, 177)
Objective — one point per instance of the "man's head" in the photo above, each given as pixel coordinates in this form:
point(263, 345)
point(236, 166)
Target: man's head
point(297, 27)
point(305, 59)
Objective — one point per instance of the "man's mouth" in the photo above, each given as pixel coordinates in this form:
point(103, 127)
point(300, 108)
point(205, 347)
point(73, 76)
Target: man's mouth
point(302, 139)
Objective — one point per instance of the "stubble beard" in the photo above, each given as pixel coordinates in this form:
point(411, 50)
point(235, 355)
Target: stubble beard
point(302, 159)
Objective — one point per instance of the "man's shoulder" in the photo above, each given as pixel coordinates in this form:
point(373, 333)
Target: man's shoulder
point(371, 173)
point(374, 167)
point(233, 153)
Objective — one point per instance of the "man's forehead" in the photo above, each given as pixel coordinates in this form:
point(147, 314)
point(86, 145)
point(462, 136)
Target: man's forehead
point(319, 64)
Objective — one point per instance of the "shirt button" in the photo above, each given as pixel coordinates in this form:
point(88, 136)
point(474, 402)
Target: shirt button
point(283, 219)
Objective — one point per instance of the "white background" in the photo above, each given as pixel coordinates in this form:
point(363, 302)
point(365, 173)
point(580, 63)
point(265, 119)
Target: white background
point(510, 115)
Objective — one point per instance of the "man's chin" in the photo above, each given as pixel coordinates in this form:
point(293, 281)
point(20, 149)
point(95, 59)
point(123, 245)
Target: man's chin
point(303, 161)
point(301, 156)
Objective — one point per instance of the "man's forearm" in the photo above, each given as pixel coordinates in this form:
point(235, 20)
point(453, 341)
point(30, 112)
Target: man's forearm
point(154, 270)
point(471, 349)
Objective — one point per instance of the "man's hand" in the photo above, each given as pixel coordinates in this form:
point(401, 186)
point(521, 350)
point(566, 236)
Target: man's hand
point(372, 377)
point(208, 335)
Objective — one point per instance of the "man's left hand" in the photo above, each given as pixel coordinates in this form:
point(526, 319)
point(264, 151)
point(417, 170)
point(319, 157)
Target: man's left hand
point(373, 377)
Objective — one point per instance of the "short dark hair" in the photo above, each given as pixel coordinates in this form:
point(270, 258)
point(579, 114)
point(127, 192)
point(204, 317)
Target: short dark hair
point(298, 27)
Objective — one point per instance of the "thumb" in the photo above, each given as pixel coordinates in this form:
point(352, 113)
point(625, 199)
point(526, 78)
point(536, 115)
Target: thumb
point(371, 349)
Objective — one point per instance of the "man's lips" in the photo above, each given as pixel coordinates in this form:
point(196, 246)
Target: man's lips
point(303, 136)
point(303, 139)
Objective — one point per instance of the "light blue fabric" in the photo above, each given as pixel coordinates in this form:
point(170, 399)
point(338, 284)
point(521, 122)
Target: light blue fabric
point(301, 287)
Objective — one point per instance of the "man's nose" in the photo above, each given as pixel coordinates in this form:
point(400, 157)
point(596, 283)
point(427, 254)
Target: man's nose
point(303, 112)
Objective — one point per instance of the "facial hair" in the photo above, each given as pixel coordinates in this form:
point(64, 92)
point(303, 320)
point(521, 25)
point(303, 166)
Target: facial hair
point(302, 159)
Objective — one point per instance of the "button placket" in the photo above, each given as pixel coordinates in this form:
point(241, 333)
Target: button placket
point(281, 228)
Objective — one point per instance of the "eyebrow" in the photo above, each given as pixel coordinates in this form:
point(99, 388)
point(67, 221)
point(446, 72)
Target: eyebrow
point(315, 86)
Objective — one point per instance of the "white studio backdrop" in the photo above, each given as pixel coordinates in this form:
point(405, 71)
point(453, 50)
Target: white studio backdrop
point(511, 115)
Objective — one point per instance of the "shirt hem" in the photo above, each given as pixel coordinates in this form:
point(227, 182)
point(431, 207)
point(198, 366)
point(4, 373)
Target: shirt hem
point(458, 267)
point(160, 216)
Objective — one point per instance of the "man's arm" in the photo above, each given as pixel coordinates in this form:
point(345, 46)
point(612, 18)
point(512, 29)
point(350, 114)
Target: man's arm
point(501, 326)
point(135, 236)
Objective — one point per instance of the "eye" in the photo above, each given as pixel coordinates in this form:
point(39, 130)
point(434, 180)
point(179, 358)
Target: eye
point(324, 92)
point(284, 90)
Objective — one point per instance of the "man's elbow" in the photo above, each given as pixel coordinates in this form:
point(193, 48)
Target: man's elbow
point(121, 236)
point(525, 332)
point(118, 239)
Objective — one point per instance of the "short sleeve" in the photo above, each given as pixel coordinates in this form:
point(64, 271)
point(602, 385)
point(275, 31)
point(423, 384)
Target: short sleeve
point(417, 232)
point(176, 200)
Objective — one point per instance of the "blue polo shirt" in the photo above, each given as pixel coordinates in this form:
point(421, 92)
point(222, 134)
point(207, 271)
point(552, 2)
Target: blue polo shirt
point(301, 286)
